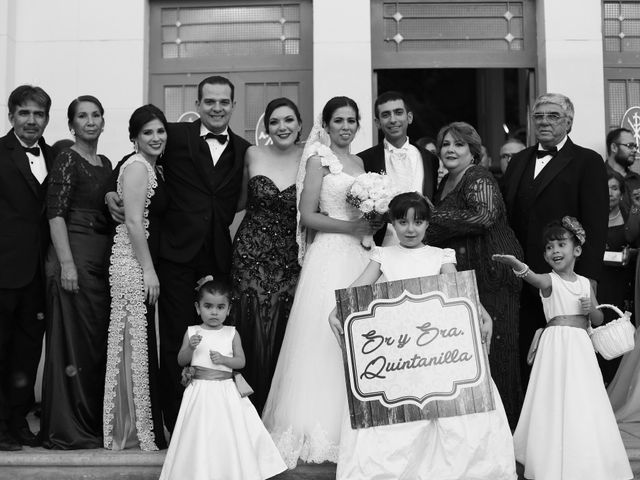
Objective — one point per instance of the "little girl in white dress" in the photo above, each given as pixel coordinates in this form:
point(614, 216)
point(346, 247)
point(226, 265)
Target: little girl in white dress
point(475, 446)
point(566, 430)
point(218, 434)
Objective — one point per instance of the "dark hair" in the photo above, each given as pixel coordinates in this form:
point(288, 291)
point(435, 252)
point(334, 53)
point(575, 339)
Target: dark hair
point(60, 145)
point(463, 132)
point(215, 80)
point(422, 142)
point(277, 103)
point(338, 102)
point(619, 178)
point(556, 231)
point(388, 97)
point(25, 93)
point(73, 106)
point(143, 115)
point(400, 205)
point(614, 135)
point(219, 287)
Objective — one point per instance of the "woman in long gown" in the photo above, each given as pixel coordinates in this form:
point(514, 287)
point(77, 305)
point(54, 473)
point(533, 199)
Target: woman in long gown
point(471, 218)
point(265, 266)
point(131, 416)
point(78, 292)
point(304, 408)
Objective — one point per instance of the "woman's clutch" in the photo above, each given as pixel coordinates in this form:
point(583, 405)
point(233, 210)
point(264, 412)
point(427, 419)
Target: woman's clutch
point(241, 384)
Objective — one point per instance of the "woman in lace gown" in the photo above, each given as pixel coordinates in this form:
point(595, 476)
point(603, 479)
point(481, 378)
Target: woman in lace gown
point(131, 416)
point(470, 217)
point(78, 293)
point(265, 266)
point(304, 408)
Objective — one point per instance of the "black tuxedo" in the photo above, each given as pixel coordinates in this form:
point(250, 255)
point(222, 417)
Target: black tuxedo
point(24, 238)
point(573, 183)
point(195, 238)
point(373, 159)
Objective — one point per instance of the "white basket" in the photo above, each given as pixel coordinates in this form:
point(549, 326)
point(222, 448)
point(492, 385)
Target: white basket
point(616, 337)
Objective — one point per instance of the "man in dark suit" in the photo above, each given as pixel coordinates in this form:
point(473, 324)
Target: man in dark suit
point(203, 165)
point(412, 169)
point(25, 159)
point(545, 182)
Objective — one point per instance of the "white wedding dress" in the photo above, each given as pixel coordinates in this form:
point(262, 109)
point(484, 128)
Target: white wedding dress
point(304, 408)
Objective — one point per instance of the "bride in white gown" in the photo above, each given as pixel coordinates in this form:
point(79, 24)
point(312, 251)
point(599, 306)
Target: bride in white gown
point(304, 408)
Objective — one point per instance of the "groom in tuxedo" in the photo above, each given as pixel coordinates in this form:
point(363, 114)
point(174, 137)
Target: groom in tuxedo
point(203, 165)
point(411, 168)
point(545, 182)
point(25, 159)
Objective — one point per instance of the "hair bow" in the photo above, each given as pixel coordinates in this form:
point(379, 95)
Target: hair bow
point(573, 225)
point(202, 281)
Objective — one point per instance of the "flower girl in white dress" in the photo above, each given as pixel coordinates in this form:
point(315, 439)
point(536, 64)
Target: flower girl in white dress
point(566, 430)
point(476, 446)
point(218, 434)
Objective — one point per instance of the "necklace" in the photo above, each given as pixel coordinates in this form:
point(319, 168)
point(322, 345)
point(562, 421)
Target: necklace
point(568, 284)
point(611, 219)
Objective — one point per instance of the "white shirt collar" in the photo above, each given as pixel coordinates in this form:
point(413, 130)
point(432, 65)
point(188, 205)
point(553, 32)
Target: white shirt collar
point(24, 144)
point(391, 148)
point(558, 146)
point(204, 130)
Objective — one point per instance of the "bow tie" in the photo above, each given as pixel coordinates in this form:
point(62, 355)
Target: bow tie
point(220, 137)
point(553, 151)
point(35, 151)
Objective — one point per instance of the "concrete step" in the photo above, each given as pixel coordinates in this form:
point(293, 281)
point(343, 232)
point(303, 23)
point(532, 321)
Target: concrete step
point(100, 464)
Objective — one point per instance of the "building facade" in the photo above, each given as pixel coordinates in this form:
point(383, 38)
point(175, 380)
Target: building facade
point(481, 61)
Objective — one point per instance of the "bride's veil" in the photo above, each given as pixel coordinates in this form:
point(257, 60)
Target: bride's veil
point(318, 136)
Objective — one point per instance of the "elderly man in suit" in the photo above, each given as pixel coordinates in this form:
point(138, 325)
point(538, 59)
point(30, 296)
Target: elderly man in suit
point(545, 182)
point(412, 168)
point(203, 165)
point(25, 159)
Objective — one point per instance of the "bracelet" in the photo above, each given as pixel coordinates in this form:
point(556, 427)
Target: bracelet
point(521, 273)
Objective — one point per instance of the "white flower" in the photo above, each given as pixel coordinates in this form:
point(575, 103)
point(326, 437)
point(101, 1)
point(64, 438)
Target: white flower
point(375, 193)
point(382, 205)
point(324, 151)
point(358, 191)
point(367, 206)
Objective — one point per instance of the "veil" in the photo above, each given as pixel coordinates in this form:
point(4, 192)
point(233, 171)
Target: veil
point(317, 137)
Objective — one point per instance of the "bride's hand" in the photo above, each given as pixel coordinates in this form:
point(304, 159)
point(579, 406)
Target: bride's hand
point(336, 327)
point(361, 227)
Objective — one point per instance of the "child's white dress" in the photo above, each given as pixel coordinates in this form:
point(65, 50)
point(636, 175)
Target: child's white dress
point(567, 430)
point(218, 434)
point(467, 447)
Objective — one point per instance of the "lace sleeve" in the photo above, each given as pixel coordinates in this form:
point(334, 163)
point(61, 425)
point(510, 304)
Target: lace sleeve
point(474, 210)
point(61, 184)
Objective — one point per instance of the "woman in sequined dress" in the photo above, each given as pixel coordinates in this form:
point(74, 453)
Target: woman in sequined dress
point(132, 416)
point(471, 218)
point(265, 267)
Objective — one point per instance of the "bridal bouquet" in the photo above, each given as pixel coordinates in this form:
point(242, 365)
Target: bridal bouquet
point(371, 193)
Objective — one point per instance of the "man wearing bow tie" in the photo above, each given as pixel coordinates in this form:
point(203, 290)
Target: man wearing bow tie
point(202, 165)
point(25, 159)
point(411, 168)
point(545, 182)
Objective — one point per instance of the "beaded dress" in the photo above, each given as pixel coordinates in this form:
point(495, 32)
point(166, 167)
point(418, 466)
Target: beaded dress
point(127, 417)
point(265, 272)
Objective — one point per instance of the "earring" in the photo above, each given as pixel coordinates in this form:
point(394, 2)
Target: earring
point(135, 146)
point(73, 132)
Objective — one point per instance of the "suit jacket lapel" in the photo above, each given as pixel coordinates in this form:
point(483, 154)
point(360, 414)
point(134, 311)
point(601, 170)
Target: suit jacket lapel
point(238, 159)
point(200, 154)
point(19, 158)
point(555, 166)
point(378, 164)
point(516, 170)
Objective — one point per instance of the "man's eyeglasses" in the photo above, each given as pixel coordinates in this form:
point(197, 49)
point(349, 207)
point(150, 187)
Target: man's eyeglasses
point(630, 146)
point(552, 117)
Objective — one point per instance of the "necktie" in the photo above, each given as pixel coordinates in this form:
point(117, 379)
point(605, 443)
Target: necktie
point(553, 151)
point(221, 138)
point(32, 150)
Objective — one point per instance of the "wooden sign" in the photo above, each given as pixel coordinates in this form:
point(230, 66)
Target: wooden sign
point(414, 350)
